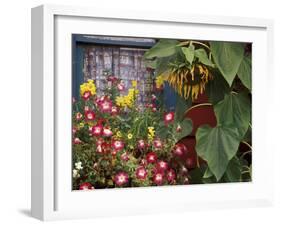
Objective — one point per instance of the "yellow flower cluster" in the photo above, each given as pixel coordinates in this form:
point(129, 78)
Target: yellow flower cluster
point(151, 132)
point(128, 100)
point(130, 136)
point(88, 86)
point(134, 83)
point(160, 81)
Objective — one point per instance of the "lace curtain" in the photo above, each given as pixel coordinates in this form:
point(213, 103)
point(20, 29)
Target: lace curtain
point(125, 63)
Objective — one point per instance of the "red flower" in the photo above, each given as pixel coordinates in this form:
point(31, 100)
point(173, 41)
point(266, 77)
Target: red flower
point(125, 157)
point(100, 141)
point(171, 175)
point(141, 173)
point(105, 105)
point(158, 178)
point(151, 157)
point(121, 178)
point(107, 132)
point(86, 95)
point(78, 116)
point(77, 140)
point(162, 166)
point(117, 145)
point(114, 110)
point(179, 129)
point(97, 130)
point(169, 117)
point(157, 143)
point(90, 115)
point(99, 149)
point(111, 78)
point(141, 144)
point(86, 186)
point(180, 150)
point(190, 163)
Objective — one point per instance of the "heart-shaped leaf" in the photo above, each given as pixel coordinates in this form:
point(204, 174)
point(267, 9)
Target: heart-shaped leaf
point(203, 57)
point(163, 48)
point(217, 146)
point(245, 72)
point(234, 109)
point(228, 57)
point(189, 53)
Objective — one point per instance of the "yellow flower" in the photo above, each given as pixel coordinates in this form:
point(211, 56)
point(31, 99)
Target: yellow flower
point(128, 100)
point(160, 81)
point(88, 86)
point(134, 83)
point(81, 125)
point(119, 134)
point(151, 132)
point(130, 136)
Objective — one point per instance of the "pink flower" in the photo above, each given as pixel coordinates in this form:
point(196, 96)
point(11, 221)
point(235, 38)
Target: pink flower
point(171, 175)
point(169, 117)
point(141, 144)
point(117, 145)
point(77, 140)
point(121, 178)
point(157, 143)
point(141, 173)
point(97, 130)
point(153, 97)
point(162, 166)
point(107, 132)
point(100, 141)
point(114, 110)
point(180, 150)
point(86, 186)
point(125, 157)
point(121, 86)
point(179, 129)
point(105, 105)
point(158, 178)
point(99, 149)
point(151, 157)
point(90, 115)
point(86, 95)
point(78, 116)
point(74, 130)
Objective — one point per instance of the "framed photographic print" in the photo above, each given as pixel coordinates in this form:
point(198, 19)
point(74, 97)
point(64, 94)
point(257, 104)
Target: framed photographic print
point(137, 113)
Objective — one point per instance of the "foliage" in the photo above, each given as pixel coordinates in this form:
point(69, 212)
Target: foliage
point(222, 72)
point(117, 143)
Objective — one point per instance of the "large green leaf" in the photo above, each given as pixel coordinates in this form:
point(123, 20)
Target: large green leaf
point(163, 48)
point(189, 53)
point(203, 57)
point(228, 57)
point(217, 146)
point(245, 72)
point(186, 129)
point(217, 88)
point(234, 109)
point(233, 172)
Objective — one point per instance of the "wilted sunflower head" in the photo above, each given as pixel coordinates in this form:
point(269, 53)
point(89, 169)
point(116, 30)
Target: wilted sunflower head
point(188, 80)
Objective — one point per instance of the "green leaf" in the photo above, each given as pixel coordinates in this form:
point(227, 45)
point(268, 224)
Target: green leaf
point(203, 57)
point(163, 48)
point(186, 129)
point(189, 53)
point(150, 63)
point(228, 57)
point(181, 107)
point(233, 172)
point(217, 146)
point(234, 109)
point(208, 173)
point(245, 72)
point(217, 88)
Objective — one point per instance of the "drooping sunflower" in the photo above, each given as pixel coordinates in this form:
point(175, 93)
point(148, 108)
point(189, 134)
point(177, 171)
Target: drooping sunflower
point(188, 80)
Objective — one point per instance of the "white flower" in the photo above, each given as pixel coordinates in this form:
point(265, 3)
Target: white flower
point(78, 165)
point(75, 173)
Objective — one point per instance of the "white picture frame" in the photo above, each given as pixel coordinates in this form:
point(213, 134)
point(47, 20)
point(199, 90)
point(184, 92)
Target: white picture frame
point(52, 197)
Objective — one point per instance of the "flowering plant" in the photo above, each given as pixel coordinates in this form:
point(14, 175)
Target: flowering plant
point(118, 143)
